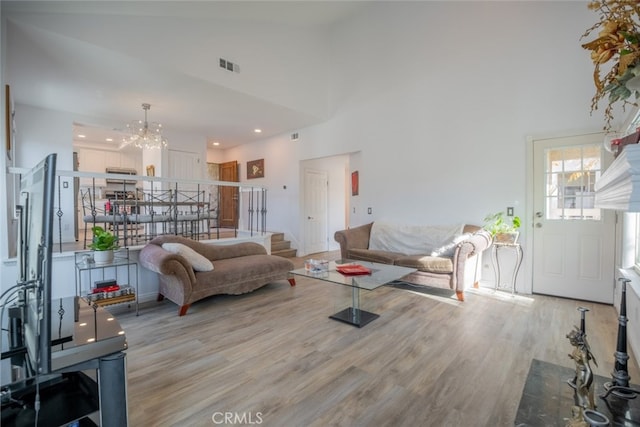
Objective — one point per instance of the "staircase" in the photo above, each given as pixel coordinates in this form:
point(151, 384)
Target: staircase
point(281, 247)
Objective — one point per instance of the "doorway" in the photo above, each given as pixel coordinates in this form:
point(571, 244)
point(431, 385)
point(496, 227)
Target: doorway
point(228, 214)
point(573, 241)
point(324, 198)
point(315, 211)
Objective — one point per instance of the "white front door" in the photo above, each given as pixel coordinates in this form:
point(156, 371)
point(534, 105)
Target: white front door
point(315, 211)
point(573, 242)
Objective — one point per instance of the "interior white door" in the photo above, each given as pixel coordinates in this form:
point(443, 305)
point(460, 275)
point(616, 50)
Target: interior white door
point(573, 242)
point(184, 165)
point(315, 211)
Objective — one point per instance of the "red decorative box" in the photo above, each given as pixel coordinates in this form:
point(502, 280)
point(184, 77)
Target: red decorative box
point(353, 269)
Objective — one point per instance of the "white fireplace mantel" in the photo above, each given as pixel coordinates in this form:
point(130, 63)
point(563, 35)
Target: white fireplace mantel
point(619, 186)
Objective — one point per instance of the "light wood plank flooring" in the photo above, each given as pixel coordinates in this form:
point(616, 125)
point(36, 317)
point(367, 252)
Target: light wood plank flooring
point(274, 356)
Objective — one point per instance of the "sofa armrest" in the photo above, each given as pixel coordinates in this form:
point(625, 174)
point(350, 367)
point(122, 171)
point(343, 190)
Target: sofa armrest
point(353, 238)
point(156, 259)
point(477, 243)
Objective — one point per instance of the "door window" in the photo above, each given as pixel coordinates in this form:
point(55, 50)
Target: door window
point(570, 174)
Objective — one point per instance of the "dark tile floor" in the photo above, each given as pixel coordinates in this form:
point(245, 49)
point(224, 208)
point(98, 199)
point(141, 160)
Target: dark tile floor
point(547, 399)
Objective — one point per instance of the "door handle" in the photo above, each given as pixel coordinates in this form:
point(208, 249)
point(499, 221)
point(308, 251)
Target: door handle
point(538, 225)
point(538, 214)
point(309, 217)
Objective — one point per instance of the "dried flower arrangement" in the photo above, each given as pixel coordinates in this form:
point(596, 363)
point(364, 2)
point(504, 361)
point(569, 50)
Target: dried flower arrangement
point(618, 42)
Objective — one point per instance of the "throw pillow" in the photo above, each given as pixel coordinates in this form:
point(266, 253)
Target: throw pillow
point(197, 261)
point(448, 249)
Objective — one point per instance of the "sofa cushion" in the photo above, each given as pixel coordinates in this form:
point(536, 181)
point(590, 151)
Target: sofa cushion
point(242, 274)
point(197, 261)
point(411, 239)
point(426, 263)
point(383, 257)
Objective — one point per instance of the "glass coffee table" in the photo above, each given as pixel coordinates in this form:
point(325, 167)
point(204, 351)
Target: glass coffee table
point(381, 274)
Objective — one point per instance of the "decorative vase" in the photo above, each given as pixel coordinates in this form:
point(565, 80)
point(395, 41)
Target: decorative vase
point(595, 418)
point(103, 257)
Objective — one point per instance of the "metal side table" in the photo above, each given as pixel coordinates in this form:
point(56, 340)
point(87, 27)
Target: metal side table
point(496, 248)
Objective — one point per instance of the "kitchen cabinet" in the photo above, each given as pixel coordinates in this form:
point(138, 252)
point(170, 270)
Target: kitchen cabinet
point(94, 160)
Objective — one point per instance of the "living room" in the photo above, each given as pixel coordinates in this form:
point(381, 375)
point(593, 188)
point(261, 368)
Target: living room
point(435, 104)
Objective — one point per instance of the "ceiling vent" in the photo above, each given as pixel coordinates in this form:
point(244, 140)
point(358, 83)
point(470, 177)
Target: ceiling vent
point(294, 136)
point(229, 66)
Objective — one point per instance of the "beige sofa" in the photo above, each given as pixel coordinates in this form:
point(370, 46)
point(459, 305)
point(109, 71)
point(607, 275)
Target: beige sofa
point(237, 268)
point(456, 268)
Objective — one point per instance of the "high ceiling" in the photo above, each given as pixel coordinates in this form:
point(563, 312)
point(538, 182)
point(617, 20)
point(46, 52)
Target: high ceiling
point(102, 60)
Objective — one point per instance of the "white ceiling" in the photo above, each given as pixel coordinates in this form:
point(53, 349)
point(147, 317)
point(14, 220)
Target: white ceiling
point(102, 60)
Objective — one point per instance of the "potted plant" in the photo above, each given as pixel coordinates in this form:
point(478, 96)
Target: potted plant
point(103, 245)
point(502, 230)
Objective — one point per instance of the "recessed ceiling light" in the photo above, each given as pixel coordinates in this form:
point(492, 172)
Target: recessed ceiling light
point(109, 139)
point(257, 130)
point(216, 143)
point(82, 136)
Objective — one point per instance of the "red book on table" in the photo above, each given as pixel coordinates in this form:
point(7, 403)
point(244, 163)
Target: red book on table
point(111, 288)
point(353, 269)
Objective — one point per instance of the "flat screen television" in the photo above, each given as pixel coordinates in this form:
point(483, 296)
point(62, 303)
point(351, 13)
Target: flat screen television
point(35, 243)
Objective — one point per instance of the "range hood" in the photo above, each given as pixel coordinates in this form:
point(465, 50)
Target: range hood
point(619, 186)
point(120, 171)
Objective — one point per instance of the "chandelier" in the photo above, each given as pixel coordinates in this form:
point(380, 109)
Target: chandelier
point(143, 134)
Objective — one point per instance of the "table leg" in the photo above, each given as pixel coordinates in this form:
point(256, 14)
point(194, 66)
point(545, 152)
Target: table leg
point(519, 257)
point(496, 266)
point(353, 315)
point(355, 303)
point(112, 386)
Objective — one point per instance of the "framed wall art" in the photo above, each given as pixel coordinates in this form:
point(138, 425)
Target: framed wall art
point(255, 169)
point(355, 183)
point(9, 119)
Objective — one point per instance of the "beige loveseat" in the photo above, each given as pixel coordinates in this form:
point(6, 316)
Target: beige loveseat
point(236, 268)
point(455, 265)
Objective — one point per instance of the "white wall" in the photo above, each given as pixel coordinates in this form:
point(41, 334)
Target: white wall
point(280, 178)
point(440, 107)
point(40, 132)
point(283, 180)
point(440, 111)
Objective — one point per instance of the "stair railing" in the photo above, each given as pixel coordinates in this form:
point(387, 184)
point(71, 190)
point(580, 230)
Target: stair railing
point(152, 207)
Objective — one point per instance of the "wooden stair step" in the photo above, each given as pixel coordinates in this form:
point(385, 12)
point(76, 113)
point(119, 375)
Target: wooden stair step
point(285, 253)
point(280, 245)
point(277, 237)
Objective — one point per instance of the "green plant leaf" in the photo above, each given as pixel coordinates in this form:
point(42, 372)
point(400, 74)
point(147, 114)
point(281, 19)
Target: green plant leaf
point(103, 240)
point(497, 224)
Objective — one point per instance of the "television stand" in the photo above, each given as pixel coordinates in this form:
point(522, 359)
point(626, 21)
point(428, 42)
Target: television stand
point(87, 383)
point(64, 399)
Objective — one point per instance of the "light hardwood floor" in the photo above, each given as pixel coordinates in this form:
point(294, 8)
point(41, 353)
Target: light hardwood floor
point(274, 356)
